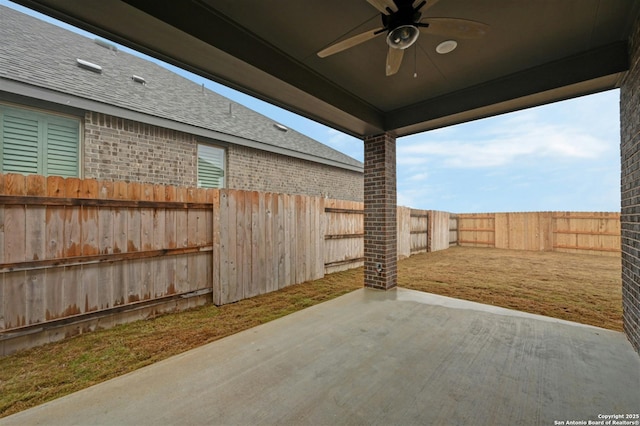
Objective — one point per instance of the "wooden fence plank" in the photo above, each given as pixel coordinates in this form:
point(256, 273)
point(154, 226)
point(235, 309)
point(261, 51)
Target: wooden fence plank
point(35, 249)
point(299, 237)
point(72, 221)
point(404, 232)
point(216, 278)
point(289, 251)
point(54, 249)
point(251, 274)
point(453, 230)
point(170, 241)
point(105, 246)
point(182, 234)
point(438, 225)
point(309, 238)
point(91, 283)
point(253, 217)
point(270, 263)
point(15, 285)
point(15, 299)
point(15, 217)
point(193, 217)
point(318, 259)
point(261, 260)
point(281, 247)
point(202, 264)
point(73, 297)
point(224, 246)
point(236, 212)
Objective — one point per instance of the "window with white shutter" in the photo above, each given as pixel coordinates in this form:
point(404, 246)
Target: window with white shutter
point(38, 143)
point(210, 166)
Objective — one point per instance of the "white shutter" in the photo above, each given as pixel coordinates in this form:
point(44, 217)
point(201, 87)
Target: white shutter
point(20, 142)
point(210, 166)
point(62, 147)
point(37, 143)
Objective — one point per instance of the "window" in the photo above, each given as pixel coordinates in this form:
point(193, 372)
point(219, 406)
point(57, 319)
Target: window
point(210, 166)
point(37, 143)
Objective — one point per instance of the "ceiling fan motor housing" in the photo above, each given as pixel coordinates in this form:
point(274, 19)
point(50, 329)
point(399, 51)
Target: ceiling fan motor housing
point(401, 25)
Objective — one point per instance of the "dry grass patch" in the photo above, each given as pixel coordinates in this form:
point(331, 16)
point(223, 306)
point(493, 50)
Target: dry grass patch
point(579, 288)
point(37, 375)
point(575, 287)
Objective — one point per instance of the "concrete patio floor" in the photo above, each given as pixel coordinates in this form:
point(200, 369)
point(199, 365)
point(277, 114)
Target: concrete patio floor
point(375, 358)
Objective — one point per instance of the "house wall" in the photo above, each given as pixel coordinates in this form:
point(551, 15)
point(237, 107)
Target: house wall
point(125, 150)
point(630, 190)
point(251, 169)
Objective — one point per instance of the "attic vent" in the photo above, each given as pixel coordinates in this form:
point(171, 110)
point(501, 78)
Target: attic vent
point(280, 127)
point(89, 66)
point(105, 44)
point(138, 79)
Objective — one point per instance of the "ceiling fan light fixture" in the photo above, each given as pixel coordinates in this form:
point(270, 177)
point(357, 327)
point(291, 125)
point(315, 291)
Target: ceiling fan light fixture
point(402, 37)
point(447, 46)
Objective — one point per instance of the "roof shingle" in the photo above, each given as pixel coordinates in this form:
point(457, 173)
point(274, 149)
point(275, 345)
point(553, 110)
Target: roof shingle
point(41, 54)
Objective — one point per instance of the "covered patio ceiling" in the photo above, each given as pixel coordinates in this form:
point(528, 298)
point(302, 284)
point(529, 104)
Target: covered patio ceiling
point(534, 52)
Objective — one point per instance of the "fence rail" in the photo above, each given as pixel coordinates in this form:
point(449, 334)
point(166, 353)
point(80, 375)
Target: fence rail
point(572, 232)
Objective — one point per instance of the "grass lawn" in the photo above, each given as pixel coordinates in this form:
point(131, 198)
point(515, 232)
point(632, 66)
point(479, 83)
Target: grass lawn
point(580, 288)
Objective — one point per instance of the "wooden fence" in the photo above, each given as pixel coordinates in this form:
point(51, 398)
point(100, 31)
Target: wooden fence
point(70, 247)
point(343, 235)
point(418, 231)
point(74, 252)
point(571, 232)
point(264, 242)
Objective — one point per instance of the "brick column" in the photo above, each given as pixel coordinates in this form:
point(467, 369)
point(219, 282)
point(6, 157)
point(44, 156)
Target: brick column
point(630, 190)
point(380, 235)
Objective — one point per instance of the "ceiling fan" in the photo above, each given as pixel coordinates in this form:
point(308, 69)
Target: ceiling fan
point(402, 21)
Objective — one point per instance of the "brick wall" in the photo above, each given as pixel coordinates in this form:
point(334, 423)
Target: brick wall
point(630, 191)
point(252, 169)
point(125, 150)
point(380, 213)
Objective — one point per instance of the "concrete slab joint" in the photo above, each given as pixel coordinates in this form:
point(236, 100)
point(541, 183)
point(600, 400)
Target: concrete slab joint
point(380, 241)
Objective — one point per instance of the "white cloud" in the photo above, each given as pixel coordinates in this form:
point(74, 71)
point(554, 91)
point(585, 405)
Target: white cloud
point(418, 177)
point(518, 139)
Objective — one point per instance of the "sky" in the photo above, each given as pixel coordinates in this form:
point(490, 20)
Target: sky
point(557, 157)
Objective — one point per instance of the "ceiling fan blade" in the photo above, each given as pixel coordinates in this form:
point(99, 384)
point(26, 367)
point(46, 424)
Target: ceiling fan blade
point(394, 60)
point(350, 42)
point(430, 3)
point(382, 5)
point(458, 28)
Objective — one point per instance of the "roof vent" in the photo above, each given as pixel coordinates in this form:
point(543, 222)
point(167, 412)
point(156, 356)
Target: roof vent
point(280, 127)
point(89, 66)
point(105, 44)
point(138, 79)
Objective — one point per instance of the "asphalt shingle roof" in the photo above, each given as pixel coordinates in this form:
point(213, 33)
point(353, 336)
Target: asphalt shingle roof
point(41, 54)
